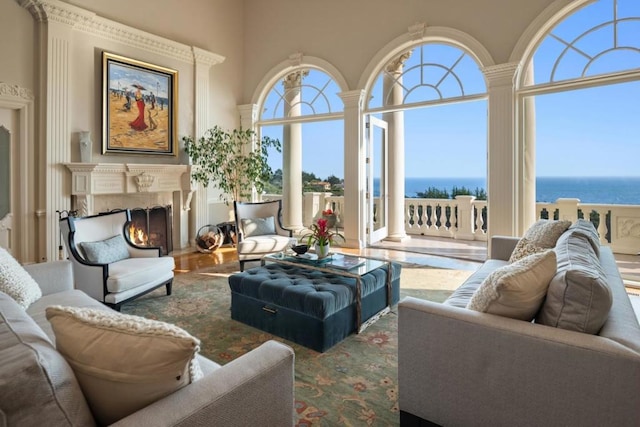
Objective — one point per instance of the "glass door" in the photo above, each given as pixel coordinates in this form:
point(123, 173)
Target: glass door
point(377, 187)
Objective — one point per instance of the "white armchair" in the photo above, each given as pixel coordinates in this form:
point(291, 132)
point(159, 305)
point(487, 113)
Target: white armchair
point(260, 231)
point(106, 265)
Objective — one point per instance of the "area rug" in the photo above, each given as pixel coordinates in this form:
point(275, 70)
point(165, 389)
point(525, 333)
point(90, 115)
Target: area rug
point(355, 383)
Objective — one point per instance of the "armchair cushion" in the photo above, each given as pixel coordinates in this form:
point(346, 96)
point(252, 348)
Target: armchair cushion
point(106, 251)
point(133, 272)
point(516, 290)
point(123, 362)
point(258, 226)
point(264, 244)
point(16, 282)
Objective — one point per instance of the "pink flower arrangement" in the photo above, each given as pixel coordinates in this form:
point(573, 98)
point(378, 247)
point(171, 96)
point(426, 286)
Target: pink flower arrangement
point(321, 234)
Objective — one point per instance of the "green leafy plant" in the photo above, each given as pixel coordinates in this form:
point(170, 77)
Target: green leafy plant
point(227, 159)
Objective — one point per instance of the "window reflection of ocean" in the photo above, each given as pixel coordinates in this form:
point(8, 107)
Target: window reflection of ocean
point(604, 190)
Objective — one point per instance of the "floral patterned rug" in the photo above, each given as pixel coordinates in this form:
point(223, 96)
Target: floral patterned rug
point(355, 383)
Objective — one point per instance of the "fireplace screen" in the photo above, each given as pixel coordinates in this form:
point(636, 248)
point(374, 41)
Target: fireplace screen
point(152, 227)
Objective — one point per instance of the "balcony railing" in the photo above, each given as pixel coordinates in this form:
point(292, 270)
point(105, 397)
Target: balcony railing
point(465, 218)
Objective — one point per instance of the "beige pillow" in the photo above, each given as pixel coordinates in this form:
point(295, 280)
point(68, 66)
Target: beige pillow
point(579, 297)
point(16, 282)
point(122, 362)
point(543, 234)
point(516, 290)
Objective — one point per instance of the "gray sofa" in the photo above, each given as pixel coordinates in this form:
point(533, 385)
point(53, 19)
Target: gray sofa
point(37, 386)
point(459, 367)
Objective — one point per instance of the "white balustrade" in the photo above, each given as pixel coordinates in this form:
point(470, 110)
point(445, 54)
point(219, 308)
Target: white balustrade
point(465, 217)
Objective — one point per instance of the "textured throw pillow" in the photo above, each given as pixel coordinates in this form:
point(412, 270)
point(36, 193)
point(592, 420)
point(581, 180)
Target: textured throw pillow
point(516, 290)
point(122, 362)
point(543, 234)
point(579, 298)
point(106, 251)
point(258, 226)
point(16, 282)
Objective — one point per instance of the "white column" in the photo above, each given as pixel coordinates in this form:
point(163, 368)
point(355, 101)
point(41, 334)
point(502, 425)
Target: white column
point(529, 213)
point(199, 209)
point(355, 207)
point(57, 147)
point(292, 154)
point(393, 94)
point(504, 173)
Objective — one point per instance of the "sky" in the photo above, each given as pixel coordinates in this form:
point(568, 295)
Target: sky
point(598, 129)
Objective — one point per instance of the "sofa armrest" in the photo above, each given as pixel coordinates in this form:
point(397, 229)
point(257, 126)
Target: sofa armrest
point(53, 276)
point(461, 367)
point(502, 247)
point(254, 389)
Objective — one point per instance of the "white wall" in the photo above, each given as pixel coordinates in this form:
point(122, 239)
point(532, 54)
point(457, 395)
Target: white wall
point(348, 34)
point(16, 45)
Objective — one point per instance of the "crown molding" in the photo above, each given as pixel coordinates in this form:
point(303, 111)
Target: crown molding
point(88, 22)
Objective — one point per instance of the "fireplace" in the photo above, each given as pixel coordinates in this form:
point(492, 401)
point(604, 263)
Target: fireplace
point(152, 227)
point(102, 187)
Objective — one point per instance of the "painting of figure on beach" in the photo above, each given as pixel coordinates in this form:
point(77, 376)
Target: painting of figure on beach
point(138, 107)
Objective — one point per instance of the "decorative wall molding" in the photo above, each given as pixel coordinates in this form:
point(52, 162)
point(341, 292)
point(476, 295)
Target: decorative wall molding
point(15, 91)
point(295, 59)
point(83, 20)
point(417, 30)
point(116, 178)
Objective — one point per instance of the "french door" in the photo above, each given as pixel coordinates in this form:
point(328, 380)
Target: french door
point(377, 182)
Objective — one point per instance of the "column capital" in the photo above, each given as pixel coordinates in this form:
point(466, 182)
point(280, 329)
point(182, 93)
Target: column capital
point(352, 98)
point(501, 74)
point(204, 57)
point(294, 80)
point(395, 65)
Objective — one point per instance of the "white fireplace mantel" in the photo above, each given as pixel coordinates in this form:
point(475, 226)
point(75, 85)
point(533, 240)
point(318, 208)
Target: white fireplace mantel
point(96, 179)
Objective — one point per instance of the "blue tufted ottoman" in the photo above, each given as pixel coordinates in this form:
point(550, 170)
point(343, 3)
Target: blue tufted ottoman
point(312, 308)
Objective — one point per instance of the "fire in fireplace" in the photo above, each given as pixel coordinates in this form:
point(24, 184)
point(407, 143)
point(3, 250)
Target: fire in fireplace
point(152, 227)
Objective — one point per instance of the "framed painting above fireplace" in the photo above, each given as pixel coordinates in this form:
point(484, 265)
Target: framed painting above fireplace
point(138, 107)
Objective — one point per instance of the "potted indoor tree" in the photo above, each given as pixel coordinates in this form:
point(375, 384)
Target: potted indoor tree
point(229, 161)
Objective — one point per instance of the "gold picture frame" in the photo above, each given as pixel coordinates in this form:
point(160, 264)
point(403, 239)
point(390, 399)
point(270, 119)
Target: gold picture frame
point(138, 107)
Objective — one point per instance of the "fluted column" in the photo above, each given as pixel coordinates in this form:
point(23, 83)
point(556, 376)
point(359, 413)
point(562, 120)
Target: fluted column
point(199, 212)
point(504, 170)
point(57, 148)
point(392, 88)
point(292, 153)
point(355, 204)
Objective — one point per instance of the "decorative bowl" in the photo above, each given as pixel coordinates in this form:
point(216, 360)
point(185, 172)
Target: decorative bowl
point(300, 249)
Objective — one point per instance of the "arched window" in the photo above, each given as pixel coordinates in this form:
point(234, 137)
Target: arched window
point(426, 74)
point(599, 39)
point(303, 92)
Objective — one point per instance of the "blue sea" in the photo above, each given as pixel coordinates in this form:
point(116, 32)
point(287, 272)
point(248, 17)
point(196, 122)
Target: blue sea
point(605, 190)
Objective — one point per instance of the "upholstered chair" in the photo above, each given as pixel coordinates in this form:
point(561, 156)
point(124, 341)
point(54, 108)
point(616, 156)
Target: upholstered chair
point(106, 265)
point(260, 231)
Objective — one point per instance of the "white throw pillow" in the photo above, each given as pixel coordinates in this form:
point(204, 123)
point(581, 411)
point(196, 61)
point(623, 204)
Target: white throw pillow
point(258, 226)
point(516, 290)
point(16, 282)
point(543, 234)
point(123, 362)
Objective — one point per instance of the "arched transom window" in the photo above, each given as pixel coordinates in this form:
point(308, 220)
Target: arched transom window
point(601, 38)
point(430, 73)
point(303, 92)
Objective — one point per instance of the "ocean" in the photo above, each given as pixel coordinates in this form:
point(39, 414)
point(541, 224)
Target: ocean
point(604, 190)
